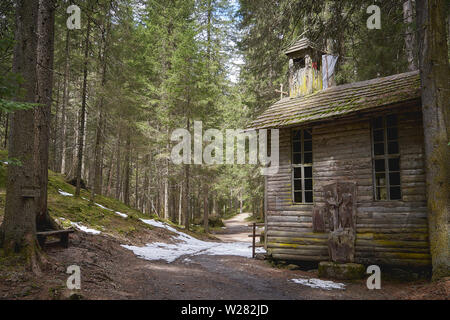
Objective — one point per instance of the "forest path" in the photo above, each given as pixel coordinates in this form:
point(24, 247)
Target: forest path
point(109, 271)
point(236, 229)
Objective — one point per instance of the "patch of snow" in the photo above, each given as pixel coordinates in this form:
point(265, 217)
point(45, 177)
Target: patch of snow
point(123, 215)
point(319, 284)
point(188, 245)
point(84, 228)
point(65, 194)
point(79, 226)
point(103, 207)
point(160, 224)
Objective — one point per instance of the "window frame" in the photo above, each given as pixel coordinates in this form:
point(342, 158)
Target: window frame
point(302, 166)
point(386, 157)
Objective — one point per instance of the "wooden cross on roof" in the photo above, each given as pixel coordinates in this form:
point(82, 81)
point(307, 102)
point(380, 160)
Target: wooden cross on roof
point(281, 92)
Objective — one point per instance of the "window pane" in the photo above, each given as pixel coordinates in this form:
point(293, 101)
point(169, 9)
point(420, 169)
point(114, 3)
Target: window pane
point(392, 133)
point(307, 134)
point(297, 146)
point(378, 123)
point(297, 197)
point(394, 164)
point(394, 179)
point(378, 136)
point(296, 135)
point(385, 129)
point(297, 185)
point(308, 157)
point(308, 196)
point(308, 184)
point(308, 172)
point(380, 179)
point(381, 193)
point(395, 193)
point(380, 165)
point(297, 158)
point(378, 149)
point(297, 173)
point(393, 147)
point(391, 121)
point(307, 146)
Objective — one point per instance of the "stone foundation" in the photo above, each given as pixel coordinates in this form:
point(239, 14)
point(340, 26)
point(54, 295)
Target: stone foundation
point(341, 271)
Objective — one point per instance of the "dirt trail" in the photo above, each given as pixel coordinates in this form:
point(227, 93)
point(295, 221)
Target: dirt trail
point(236, 229)
point(109, 271)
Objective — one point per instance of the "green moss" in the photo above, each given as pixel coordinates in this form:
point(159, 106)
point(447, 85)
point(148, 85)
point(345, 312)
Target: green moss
point(73, 209)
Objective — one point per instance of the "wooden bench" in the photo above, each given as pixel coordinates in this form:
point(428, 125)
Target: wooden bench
point(63, 236)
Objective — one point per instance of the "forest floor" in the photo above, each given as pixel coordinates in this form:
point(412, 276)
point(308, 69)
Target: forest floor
point(109, 271)
point(179, 265)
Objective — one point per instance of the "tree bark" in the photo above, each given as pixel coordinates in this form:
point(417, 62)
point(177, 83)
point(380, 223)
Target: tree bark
point(45, 49)
point(205, 210)
point(434, 73)
point(136, 186)
point(5, 141)
point(62, 135)
point(410, 39)
point(118, 184)
point(82, 112)
point(126, 190)
point(18, 231)
point(186, 188)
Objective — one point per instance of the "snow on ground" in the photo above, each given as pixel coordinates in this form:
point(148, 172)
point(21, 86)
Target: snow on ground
point(188, 245)
point(103, 207)
point(65, 194)
point(80, 227)
point(123, 215)
point(319, 284)
point(84, 228)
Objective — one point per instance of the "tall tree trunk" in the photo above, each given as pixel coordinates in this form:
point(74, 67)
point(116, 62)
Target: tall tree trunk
point(180, 205)
point(410, 39)
point(46, 23)
point(126, 190)
point(5, 141)
point(166, 183)
point(145, 199)
point(205, 210)
point(187, 201)
point(81, 134)
point(118, 182)
point(136, 187)
point(18, 231)
point(55, 124)
point(98, 161)
point(434, 73)
point(62, 135)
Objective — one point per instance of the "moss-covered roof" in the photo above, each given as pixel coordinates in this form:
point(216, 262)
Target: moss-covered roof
point(341, 101)
point(302, 44)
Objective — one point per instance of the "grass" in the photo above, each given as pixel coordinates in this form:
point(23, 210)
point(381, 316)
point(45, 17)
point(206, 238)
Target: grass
point(89, 214)
point(83, 211)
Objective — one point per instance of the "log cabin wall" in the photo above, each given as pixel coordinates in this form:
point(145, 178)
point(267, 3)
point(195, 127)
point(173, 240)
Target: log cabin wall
point(388, 232)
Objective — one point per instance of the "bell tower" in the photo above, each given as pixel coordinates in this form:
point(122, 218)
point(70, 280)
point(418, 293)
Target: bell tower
point(305, 68)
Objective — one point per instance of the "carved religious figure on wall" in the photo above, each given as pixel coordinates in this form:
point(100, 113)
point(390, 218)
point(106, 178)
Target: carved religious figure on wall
point(340, 214)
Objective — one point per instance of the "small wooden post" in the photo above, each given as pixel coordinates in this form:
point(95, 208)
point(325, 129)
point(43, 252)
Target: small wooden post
point(254, 240)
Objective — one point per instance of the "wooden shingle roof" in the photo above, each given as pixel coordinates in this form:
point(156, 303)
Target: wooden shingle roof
point(302, 44)
point(340, 101)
